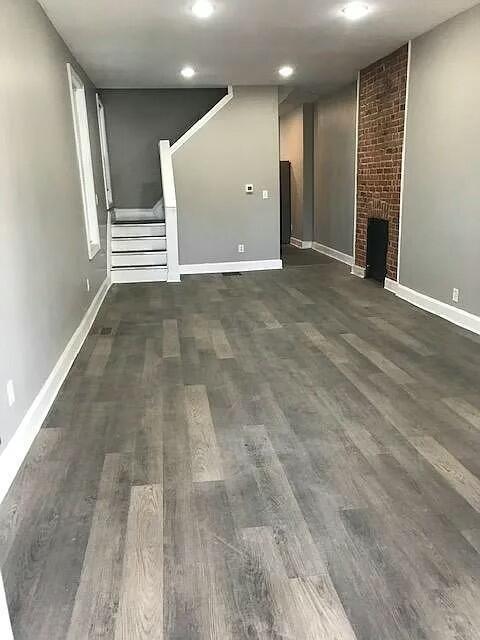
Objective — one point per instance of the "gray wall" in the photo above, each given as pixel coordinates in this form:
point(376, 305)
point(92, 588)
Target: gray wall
point(136, 121)
point(238, 146)
point(440, 242)
point(335, 133)
point(43, 261)
point(297, 146)
point(308, 170)
point(291, 149)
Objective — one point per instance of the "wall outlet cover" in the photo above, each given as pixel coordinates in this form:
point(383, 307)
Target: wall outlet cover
point(265, 194)
point(249, 188)
point(241, 248)
point(455, 295)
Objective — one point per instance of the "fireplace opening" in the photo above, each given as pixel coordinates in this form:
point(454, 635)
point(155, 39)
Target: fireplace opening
point(377, 244)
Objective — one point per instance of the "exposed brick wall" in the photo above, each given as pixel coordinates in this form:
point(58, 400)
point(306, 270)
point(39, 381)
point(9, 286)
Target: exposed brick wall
point(383, 88)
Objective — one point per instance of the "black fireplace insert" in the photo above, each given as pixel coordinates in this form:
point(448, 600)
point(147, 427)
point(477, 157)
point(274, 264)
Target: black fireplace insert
point(377, 244)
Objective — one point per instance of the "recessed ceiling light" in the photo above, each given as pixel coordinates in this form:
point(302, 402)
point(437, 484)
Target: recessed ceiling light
point(202, 9)
point(188, 72)
point(355, 10)
point(286, 71)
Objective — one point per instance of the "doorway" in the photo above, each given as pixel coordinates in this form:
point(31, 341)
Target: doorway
point(104, 151)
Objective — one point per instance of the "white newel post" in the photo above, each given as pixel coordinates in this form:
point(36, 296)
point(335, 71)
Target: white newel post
point(5, 626)
point(170, 203)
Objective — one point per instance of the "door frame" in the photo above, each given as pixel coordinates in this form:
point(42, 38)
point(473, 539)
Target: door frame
point(84, 157)
point(5, 625)
point(102, 129)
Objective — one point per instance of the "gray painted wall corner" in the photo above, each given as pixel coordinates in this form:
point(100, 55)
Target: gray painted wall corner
point(335, 145)
point(308, 171)
point(238, 146)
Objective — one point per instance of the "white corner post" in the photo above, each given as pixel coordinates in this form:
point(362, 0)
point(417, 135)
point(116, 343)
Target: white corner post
point(356, 271)
point(6, 632)
point(404, 156)
point(170, 203)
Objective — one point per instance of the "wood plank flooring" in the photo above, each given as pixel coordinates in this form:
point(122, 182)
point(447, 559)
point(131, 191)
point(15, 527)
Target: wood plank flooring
point(285, 455)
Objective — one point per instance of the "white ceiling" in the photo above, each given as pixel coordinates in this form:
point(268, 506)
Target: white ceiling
point(144, 43)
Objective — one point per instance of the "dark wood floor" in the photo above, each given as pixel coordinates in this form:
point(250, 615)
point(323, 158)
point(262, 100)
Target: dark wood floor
point(279, 455)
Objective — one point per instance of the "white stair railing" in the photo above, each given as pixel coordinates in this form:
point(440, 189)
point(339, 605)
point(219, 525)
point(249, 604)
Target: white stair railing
point(170, 202)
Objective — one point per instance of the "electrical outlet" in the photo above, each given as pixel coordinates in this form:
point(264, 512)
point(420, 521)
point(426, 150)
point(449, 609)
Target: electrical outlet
point(10, 393)
point(265, 194)
point(249, 188)
point(241, 248)
point(96, 199)
point(456, 295)
point(87, 282)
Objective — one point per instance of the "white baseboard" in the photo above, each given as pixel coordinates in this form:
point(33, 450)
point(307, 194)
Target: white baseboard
point(333, 253)
point(301, 244)
point(446, 311)
point(173, 276)
point(358, 271)
point(226, 267)
point(5, 626)
point(20, 443)
point(391, 285)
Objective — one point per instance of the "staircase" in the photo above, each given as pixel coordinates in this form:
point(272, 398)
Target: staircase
point(139, 249)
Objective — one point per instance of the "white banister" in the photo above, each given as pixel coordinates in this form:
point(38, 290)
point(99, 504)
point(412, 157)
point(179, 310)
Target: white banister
point(170, 202)
point(203, 120)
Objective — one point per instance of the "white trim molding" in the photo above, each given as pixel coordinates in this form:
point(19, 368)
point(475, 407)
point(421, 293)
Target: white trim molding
point(228, 267)
point(20, 443)
point(171, 213)
point(357, 129)
point(109, 243)
point(391, 285)
point(446, 311)
point(358, 271)
point(301, 244)
point(83, 147)
point(203, 121)
point(404, 155)
point(333, 253)
point(5, 626)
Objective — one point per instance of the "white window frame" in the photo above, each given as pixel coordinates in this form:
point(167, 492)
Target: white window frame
point(5, 626)
point(84, 157)
point(102, 127)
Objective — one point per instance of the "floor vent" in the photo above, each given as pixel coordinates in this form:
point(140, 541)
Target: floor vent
point(231, 273)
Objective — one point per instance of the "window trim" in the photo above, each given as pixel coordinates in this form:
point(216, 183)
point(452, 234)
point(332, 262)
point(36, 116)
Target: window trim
point(84, 159)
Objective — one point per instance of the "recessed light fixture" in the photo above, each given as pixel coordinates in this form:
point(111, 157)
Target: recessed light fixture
point(355, 10)
point(188, 72)
point(286, 71)
point(202, 9)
